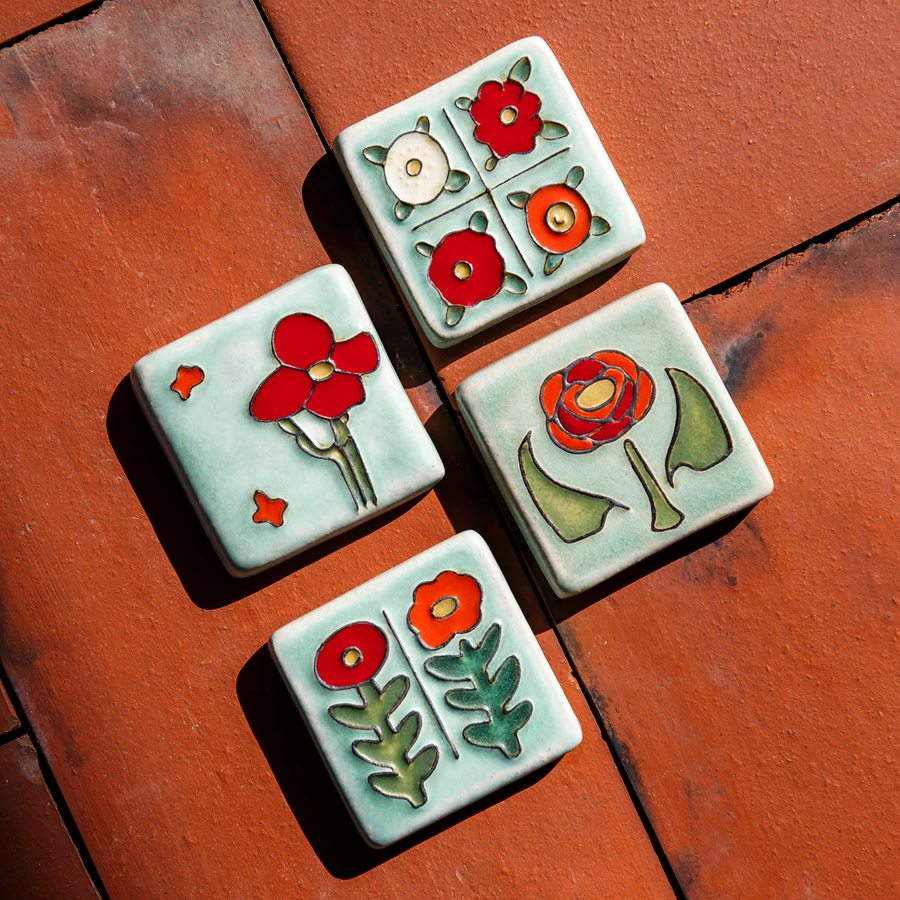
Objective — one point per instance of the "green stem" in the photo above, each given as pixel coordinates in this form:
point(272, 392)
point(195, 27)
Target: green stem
point(346, 441)
point(665, 516)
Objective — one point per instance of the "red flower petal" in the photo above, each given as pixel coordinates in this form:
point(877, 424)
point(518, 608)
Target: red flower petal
point(332, 398)
point(573, 424)
point(611, 430)
point(489, 102)
point(299, 340)
point(527, 103)
point(282, 394)
point(359, 355)
point(625, 402)
point(584, 370)
point(486, 263)
point(371, 646)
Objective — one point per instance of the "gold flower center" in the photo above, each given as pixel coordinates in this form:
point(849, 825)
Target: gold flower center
point(560, 218)
point(320, 371)
point(413, 167)
point(508, 115)
point(596, 394)
point(352, 657)
point(444, 607)
point(462, 270)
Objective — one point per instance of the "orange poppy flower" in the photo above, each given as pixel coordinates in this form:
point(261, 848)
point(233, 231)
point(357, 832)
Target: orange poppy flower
point(595, 400)
point(445, 607)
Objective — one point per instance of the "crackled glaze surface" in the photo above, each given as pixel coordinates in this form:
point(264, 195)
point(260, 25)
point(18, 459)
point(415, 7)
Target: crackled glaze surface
point(488, 192)
point(612, 439)
point(285, 421)
point(425, 689)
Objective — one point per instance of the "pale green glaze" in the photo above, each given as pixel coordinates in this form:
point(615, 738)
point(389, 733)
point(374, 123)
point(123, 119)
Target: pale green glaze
point(223, 455)
point(601, 188)
point(501, 404)
point(537, 723)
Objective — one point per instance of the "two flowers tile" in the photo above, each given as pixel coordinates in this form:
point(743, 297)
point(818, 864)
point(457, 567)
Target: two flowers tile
point(609, 440)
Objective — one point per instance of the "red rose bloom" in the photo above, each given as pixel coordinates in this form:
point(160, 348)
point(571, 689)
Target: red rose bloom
point(507, 117)
point(595, 400)
point(316, 373)
point(466, 268)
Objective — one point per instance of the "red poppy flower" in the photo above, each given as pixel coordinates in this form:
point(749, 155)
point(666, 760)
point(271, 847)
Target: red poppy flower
point(466, 268)
point(445, 607)
point(351, 656)
point(507, 117)
point(316, 373)
point(595, 400)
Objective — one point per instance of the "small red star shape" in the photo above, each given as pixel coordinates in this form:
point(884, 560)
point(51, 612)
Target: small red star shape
point(269, 509)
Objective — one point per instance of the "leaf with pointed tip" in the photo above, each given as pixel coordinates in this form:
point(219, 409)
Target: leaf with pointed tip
point(478, 221)
point(491, 163)
point(454, 314)
point(409, 783)
point(553, 131)
point(464, 103)
point(572, 513)
point(701, 439)
point(599, 225)
point(518, 199)
point(514, 284)
point(521, 70)
point(402, 210)
point(552, 263)
point(375, 154)
point(456, 181)
point(575, 176)
point(423, 124)
point(424, 248)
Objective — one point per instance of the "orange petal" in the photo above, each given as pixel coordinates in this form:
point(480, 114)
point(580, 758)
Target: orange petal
point(550, 393)
point(567, 441)
point(615, 358)
point(645, 393)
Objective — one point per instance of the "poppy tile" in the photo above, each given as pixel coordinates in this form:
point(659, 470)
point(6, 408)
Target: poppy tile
point(488, 192)
point(612, 439)
point(286, 422)
point(425, 689)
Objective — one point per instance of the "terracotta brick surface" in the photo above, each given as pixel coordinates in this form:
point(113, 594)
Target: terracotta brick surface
point(9, 721)
point(37, 858)
point(20, 16)
point(159, 170)
point(749, 677)
point(740, 130)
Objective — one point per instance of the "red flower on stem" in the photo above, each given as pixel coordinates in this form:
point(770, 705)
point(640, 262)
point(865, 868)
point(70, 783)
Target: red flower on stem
point(351, 656)
point(316, 373)
point(507, 117)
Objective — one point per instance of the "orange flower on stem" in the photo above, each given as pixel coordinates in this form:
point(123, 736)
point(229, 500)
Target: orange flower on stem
point(445, 607)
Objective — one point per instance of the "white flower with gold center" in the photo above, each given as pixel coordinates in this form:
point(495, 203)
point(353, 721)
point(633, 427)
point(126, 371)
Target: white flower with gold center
point(416, 168)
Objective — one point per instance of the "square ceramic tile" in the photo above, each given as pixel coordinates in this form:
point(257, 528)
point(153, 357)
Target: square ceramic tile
point(612, 439)
point(285, 421)
point(425, 689)
point(488, 192)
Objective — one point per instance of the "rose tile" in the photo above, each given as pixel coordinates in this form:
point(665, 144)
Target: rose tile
point(435, 664)
point(286, 422)
point(489, 192)
point(612, 439)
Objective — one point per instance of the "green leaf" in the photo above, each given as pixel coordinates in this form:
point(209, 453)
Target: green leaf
point(456, 181)
point(424, 248)
point(375, 155)
point(701, 439)
point(553, 131)
point(489, 695)
point(423, 125)
point(518, 199)
point(491, 163)
point(521, 70)
point(514, 284)
point(574, 177)
point(572, 513)
point(665, 516)
point(464, 103)
point(402, 210)
point(599, 225)
point(454, 315)
point(552, 263)
point(391, 747)
point(478, 222)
